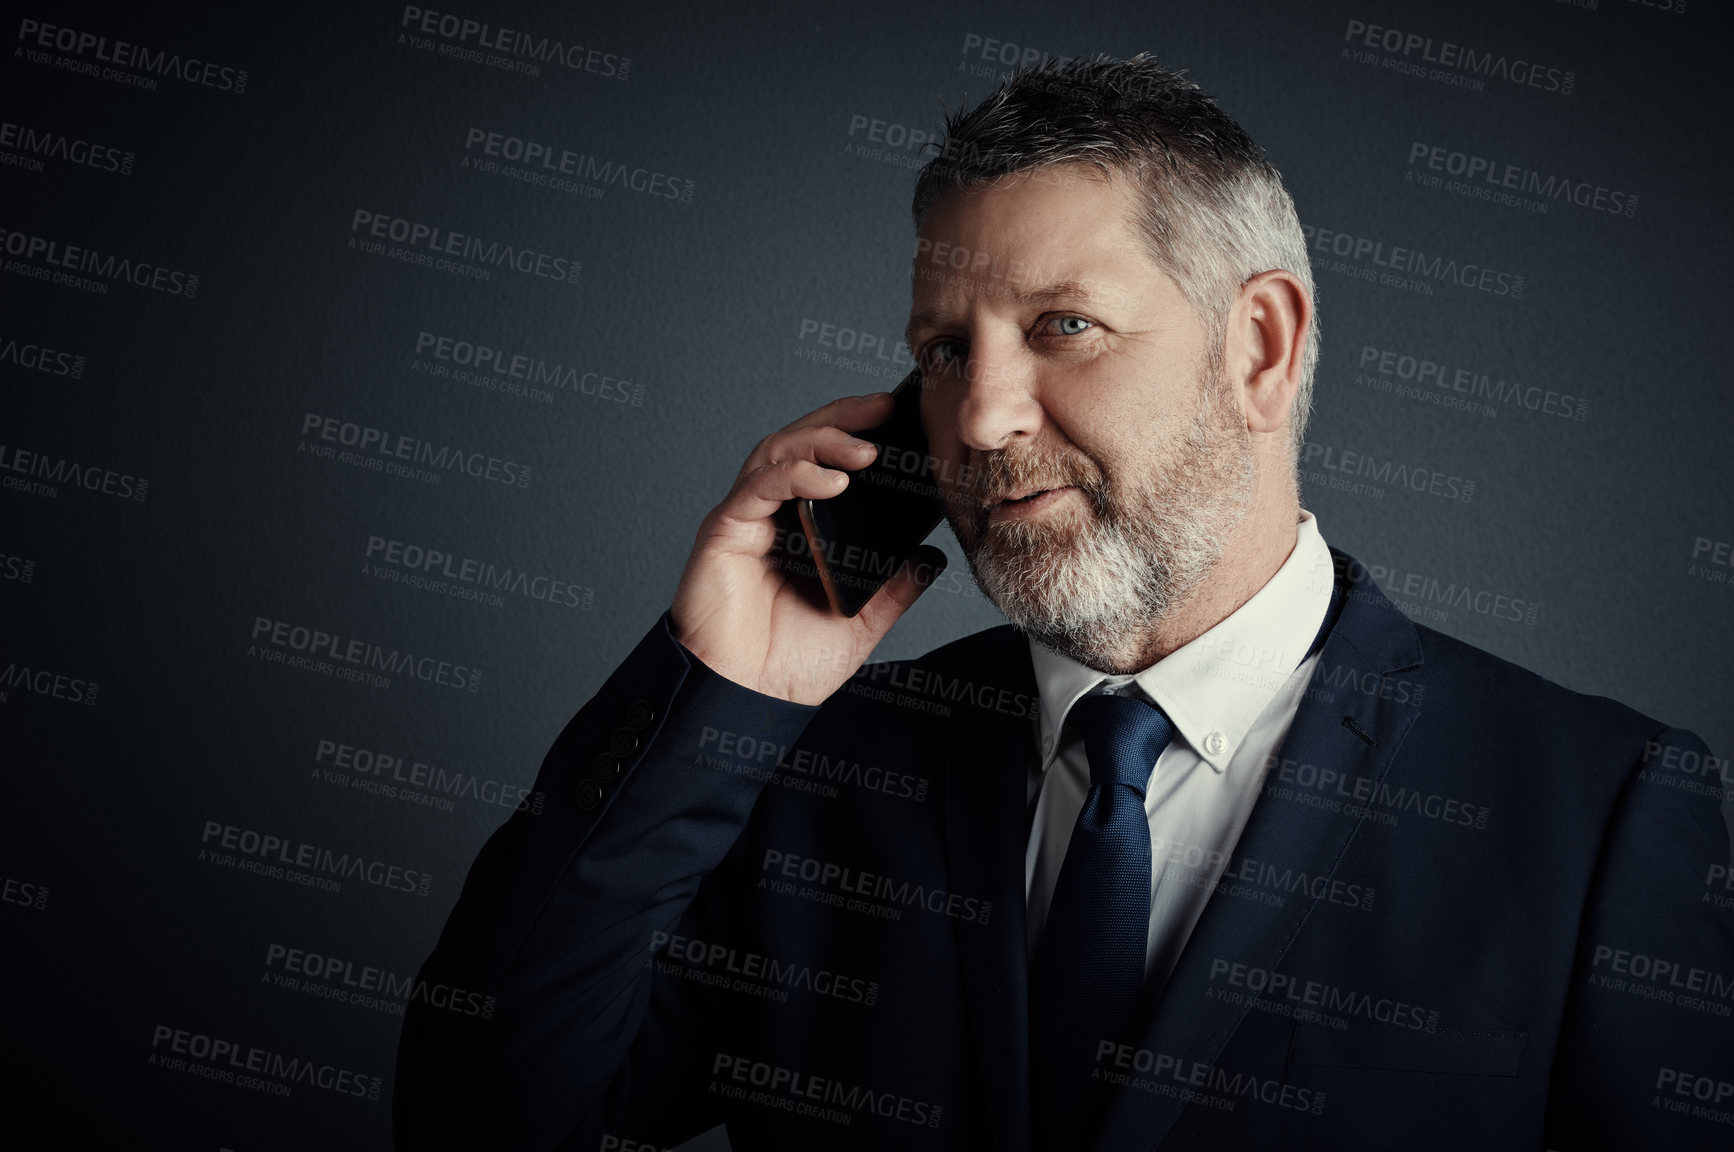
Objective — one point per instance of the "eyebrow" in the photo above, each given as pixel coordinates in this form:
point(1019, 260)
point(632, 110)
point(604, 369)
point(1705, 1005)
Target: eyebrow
point(1048, 293)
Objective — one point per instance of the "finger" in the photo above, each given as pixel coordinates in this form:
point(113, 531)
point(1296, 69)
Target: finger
point(826, 445)
point(850, 414)
point(761, 492)
point(914, 577)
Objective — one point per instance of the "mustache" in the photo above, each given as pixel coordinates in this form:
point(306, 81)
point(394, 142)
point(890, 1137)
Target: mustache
point(997, 474)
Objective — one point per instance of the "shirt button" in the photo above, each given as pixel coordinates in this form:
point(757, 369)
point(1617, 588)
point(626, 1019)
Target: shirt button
point(588, 795)
point(640, 714)
point(605, 767)
point(1214, 743)
point(624, 742)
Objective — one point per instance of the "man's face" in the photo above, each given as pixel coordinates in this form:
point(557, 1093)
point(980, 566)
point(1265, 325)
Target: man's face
point(1092, 461)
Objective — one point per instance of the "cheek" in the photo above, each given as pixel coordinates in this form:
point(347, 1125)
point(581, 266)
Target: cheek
point(1118, 411)
point(1121, 443)
point(1086, 421)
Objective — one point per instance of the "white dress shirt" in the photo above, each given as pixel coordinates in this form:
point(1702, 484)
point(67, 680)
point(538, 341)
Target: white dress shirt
point(1231, 694)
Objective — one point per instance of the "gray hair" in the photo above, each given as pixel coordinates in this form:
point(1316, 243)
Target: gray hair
point(1214, 213)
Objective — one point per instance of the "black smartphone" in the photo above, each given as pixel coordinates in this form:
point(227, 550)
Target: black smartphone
point(861, 536)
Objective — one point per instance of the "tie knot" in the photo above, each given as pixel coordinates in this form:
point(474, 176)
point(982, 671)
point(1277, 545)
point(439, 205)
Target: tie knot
point(1123, 736)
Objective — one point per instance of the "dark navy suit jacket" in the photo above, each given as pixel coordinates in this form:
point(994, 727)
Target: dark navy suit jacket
point(1470, 909)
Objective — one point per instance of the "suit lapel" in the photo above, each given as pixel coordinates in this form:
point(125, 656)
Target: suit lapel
point(1369, 639)
point(988, 757)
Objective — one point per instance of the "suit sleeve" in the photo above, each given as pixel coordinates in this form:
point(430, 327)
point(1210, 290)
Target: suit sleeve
point(555, 923)
point(1646, 1056)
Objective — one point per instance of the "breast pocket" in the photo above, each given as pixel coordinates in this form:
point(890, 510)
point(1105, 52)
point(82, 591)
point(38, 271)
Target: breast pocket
point(1402, 1050)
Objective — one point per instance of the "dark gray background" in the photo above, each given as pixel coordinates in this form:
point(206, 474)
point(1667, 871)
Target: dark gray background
point(703, 306)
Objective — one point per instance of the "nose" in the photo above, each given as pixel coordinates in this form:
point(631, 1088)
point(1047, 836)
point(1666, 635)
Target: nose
point(998, 402)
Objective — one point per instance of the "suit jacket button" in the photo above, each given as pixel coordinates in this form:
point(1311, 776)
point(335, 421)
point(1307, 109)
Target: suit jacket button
point(589, 794)
point(624, 742)
point(640, 714)
point(605, 767)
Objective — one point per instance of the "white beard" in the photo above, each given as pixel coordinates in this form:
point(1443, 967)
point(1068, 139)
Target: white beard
point(1081, 582)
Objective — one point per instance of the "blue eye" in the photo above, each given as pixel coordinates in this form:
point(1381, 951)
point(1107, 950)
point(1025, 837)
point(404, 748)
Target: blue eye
point(1072, 325)
point(940, 354)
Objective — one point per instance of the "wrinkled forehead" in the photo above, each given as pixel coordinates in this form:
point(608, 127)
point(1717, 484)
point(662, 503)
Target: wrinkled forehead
point(1062, 231)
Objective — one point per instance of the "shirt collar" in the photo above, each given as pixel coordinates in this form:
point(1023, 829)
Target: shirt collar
point(1215, 687)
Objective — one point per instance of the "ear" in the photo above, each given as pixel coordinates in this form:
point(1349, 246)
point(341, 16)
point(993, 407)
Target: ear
point(1266, 341)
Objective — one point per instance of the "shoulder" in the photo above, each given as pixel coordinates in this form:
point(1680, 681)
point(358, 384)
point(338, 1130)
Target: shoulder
point(1486, 681)
point(1500, 684)
point(1485, 716)
point(1587, 739)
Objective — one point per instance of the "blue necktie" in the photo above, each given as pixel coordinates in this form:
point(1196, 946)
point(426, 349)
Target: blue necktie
point(1087, 976)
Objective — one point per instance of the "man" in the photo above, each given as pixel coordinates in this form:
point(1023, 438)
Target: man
point(1210, 848)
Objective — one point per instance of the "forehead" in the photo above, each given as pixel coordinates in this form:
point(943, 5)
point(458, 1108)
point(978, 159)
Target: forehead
point(1064, 224)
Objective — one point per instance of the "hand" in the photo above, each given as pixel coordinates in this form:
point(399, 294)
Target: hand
point(747, 619)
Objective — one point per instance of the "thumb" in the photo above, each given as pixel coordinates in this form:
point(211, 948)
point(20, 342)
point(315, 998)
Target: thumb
point(912, 579)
